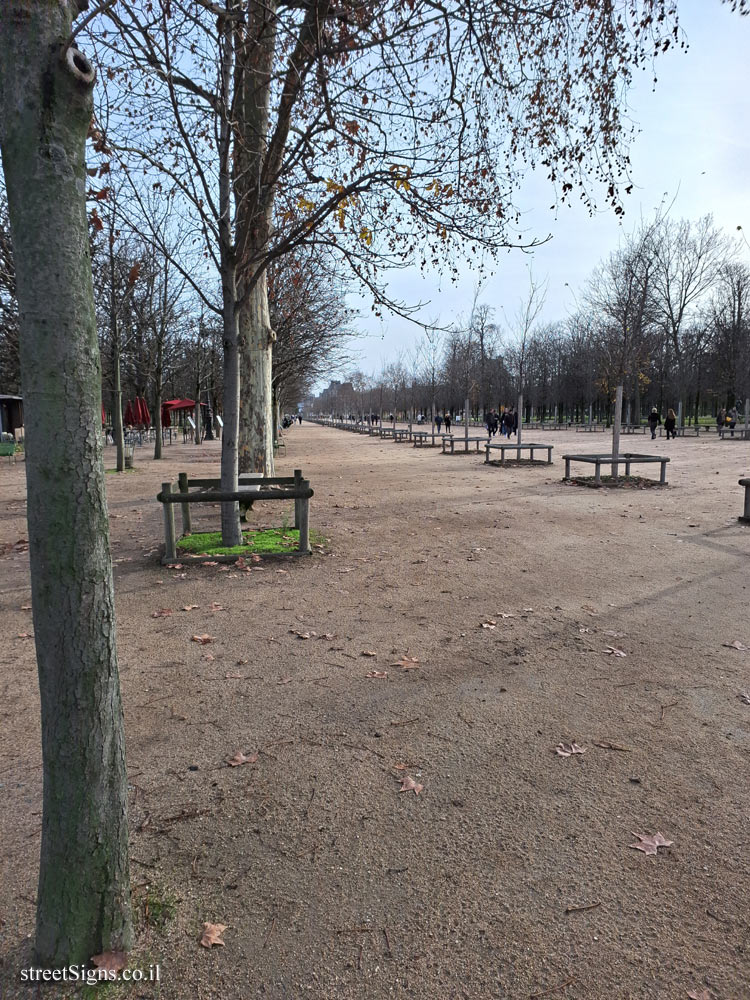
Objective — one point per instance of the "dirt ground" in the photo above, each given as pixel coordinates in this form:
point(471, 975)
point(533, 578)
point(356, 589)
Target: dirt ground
point(508, 587)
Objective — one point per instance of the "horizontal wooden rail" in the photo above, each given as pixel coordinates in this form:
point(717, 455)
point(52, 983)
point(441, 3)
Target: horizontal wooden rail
point(224, 496)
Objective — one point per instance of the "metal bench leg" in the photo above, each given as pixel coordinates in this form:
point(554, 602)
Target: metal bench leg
point(531, 454)
point(304, 521)
point(486, 454)
point(663, 478)
point(567, 468)
point(598, 474)
point(746, 515)
point(627, 468)
point(170, 544)
point(549, 456)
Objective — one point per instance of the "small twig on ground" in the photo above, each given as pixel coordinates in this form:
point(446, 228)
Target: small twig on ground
point(387, 942)
point(312, 796)
point(580, 909)
point(670, 705)
point(406, 722)
point(270, 930)
point(359, 959)
point(607, 745)
point(552, 989)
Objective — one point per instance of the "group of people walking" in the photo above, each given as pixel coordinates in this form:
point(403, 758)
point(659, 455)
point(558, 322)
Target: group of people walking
point(505, 422)
point(670, 423)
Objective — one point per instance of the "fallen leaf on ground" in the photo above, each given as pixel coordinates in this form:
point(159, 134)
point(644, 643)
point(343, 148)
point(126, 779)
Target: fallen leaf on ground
point(649, 842)
point(202, 639)
point(233, 677)
point(302, 635)
point(162, 613)
point(284, 680)
point(490, 624)
point(208, 657)
point(734, 645)
point(529, 610)
point(111, 961)
point(209, 562)
point(410, 785)
point(589, 610)
point(400, 767)
point(583, 630)
point(505, 614)
point(615, 635)
point(744, 697)
point(368, 652)
point(614, 651)
point(190, 607)
point(568, 749)
point(175, 566)
point(25, 635)
point(703, 995)
point(212, 935)
point(380, 674)
point(407, 663)
point(240, 758)
point(25, 607)
point(216, 607)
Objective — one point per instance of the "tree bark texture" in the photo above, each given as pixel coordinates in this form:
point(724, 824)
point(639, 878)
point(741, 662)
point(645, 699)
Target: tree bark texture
point(256, 348)
point(45, 109)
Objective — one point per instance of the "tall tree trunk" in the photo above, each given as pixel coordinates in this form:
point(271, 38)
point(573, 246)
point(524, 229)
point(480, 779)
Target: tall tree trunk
point(117, 428)
point(158, 390)
point(83, 904)
point(256, 344)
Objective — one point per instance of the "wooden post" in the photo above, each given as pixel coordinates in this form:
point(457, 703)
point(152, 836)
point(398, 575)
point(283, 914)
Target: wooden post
point(616, 432)
point(187, 524)
point(598, 473)
point(567, 468)
point(746, 514)
point(747, 419)
point(170, 543)
point(297, 503)
point(304, 519)
point(663, 478)
point(466, 425)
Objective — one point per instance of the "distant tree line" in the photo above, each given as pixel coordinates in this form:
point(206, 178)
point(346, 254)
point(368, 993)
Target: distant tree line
point(665, 315)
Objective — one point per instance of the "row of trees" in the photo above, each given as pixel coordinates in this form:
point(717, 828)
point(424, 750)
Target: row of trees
point(264, 132)
point(666, 316)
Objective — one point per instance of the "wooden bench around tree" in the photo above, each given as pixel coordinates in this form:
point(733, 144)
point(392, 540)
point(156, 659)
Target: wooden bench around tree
point(627, 459)
point(423, 438)
point(745, 516)
point(252, 487)
point(450, 439)
point(518, 448)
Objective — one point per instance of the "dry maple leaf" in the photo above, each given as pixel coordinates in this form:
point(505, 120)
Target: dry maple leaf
point(410, 785)
point(240, 758)
point(212, 935)
point(202, 639)
point(568, 749)
point(614, 651)
point(368, 652)
point(380, 674)
point(649, 842)
point(209, 562)
point(162, 613)
point(407, 663)
point(734, 645)
point(190, 607)
point(111, 961)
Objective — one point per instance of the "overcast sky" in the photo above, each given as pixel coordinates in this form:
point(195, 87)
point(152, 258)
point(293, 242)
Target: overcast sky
point(693, 150)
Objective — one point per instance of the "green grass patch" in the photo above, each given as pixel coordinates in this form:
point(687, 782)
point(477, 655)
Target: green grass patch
point(268, 541)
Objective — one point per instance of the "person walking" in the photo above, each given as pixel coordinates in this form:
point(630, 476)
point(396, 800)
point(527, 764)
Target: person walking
point(447, 422)
point(670, 422)
point(653, 421)
point(515, 421)
point(721, 420)
point(438, 422)
point(732, 420)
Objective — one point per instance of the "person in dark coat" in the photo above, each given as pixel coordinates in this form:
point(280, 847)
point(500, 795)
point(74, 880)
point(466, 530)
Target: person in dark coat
point(515, 421)
point(447, 422)
point(653, 422)
point(438, 422)
point(670, 422)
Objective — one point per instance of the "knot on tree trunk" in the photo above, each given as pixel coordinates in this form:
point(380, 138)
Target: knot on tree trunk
point(79, 66)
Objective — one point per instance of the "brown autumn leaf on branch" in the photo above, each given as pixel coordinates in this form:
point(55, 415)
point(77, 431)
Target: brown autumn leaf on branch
point(649, 842)
point(110, 961)
point(202, 639)
point(568, 749)
point(240, 758)
point(408, 784)
point(212, 935)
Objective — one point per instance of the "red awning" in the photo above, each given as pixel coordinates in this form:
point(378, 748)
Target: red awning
point(104, 416)
point(174, 406)
point(129, 417)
